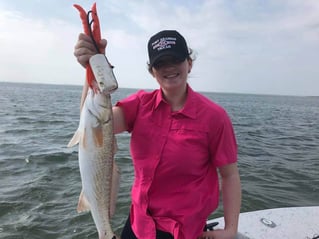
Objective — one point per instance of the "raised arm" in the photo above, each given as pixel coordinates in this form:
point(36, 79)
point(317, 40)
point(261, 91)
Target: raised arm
point(119, 120)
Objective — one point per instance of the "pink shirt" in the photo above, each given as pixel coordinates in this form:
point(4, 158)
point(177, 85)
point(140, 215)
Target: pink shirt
point(175, 157)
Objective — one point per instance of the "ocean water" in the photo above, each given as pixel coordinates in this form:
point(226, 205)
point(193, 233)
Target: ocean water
point(278, 139)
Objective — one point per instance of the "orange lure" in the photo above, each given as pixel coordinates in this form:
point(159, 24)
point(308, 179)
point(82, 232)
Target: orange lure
point(91, 26)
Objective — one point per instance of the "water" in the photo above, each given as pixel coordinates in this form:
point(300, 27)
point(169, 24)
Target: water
point(278, 138)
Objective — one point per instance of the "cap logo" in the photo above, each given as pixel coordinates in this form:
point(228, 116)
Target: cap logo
point(163, 43)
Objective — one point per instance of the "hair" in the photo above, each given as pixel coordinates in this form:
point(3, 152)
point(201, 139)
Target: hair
point(191, 56)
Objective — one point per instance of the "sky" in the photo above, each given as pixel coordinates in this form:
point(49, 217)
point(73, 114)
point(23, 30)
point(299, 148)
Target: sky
point(241, 46)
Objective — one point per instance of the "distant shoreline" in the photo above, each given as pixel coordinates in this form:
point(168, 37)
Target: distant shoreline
point(211, 92)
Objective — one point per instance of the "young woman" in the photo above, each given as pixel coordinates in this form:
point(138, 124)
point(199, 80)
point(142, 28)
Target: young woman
point(180, 141)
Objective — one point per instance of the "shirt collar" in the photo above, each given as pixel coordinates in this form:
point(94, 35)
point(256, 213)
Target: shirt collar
point(189, 109)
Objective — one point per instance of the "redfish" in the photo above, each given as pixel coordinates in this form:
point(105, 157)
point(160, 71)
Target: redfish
point(97, 146)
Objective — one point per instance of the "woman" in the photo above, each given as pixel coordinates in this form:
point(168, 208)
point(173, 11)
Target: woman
point(180, 140)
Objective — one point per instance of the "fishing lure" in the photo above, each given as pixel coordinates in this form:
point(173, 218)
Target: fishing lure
point(91, 27)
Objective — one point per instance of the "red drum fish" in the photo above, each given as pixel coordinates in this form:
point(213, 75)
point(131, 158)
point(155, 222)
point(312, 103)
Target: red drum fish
point(95, 136)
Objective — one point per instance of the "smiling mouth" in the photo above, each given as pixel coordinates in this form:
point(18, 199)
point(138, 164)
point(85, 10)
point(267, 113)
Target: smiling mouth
point(171, 76)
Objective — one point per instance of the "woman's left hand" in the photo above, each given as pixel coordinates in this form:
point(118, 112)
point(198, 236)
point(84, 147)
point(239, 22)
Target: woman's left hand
point(218, 234)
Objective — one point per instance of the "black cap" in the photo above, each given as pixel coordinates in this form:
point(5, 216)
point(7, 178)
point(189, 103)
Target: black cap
point(167, 43)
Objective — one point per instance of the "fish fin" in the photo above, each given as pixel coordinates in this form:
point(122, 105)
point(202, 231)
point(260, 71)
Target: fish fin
point(83, 143)
point(114, 189)
point(75, 139)
point(98, 136)
point(83, 204)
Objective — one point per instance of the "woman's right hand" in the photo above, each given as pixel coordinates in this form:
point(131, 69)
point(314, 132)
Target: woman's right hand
point(84, 49)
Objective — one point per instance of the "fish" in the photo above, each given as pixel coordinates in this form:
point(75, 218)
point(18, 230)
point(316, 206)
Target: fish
point(99, 172)
point(95, 136)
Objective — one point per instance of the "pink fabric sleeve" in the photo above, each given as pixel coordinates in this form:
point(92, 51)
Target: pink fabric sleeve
point(224, 150)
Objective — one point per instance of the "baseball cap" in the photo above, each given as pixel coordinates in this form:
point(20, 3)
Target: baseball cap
point(167, 43)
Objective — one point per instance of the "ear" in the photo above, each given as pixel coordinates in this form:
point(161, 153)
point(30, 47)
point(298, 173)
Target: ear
point(190, 65)
point(151, 71)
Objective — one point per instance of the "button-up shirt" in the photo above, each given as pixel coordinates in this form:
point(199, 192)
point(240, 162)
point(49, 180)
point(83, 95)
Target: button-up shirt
point(175, 157)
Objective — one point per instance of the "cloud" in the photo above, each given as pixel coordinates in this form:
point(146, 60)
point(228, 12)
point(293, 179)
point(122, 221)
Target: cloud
point(246, 46)
point(35, 50)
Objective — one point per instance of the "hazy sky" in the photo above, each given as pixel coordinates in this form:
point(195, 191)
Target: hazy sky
point(244, 46)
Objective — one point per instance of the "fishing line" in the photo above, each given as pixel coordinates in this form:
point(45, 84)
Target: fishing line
point(90, 29)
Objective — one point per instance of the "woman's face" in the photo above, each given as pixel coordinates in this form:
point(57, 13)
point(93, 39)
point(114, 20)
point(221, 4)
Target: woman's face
point(171, 73)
